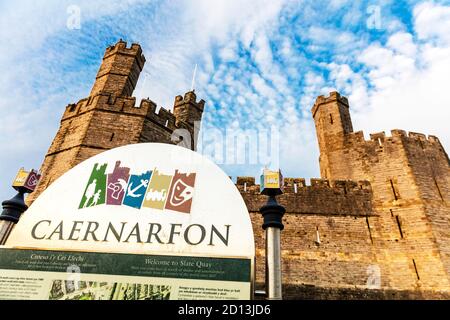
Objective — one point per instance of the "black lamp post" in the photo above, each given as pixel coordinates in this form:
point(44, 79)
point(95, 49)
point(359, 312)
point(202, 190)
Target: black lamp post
point(272, 185)
point(25, 182)
point(12, 210)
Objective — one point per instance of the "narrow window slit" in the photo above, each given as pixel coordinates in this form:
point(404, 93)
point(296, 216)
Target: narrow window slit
point(415, 268)
point(439, 190)
point(393, 190)
point(399, 226)
point(368, 227)
point(112, 137)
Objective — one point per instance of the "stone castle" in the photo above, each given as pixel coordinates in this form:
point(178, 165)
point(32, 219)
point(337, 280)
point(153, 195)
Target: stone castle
point(376, 226)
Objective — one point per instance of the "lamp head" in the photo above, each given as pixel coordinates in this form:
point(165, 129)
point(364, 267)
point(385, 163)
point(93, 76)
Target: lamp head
point(272, 182)
point(26, 181)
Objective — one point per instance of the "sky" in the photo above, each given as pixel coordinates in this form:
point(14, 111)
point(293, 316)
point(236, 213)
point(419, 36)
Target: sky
point(261, 65)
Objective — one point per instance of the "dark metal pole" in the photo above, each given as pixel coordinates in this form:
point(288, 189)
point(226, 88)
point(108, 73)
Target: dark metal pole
point(273, 225)
point(12, 210)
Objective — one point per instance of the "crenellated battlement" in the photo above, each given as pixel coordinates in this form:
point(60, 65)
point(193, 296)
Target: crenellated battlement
point(121, 47)
point(295, 185)
point(322, 197)
point(333, 96)
point(380, 138)
point(164, 117)
point(189, 98)
point(123, 105)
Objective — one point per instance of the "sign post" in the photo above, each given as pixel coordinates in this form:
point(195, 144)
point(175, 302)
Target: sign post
point(272, 185)
point(140, 222)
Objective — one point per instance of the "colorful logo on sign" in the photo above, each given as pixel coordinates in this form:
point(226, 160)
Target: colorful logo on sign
point(151, 189)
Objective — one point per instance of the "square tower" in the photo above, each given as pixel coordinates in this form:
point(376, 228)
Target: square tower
point(120, 70)
point(333, 124)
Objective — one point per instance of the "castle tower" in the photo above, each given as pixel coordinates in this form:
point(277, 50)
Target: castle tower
point(189, 112)
point(332, 119)
point(120, 70)
point(109, 117)
point(410, 178)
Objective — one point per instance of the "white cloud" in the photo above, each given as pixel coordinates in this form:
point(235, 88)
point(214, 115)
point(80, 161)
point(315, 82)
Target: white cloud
point(432, 22)
point(26, 24)
point(386, 66)
point(410, 78)
point(346, 80)
point(402, 43)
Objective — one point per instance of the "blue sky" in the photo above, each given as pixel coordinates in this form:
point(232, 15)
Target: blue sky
point(261, 64)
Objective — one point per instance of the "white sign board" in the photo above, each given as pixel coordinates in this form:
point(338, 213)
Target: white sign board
point(157, 200)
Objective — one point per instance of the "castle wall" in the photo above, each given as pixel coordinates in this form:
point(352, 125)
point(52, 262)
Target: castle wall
point(55, 165)
point(405, 196)
point(312, 292)
point(326, 241)
point(431, 167)
point(158, 127)
point(338, 247)
point(341, 259)
point(404, 234)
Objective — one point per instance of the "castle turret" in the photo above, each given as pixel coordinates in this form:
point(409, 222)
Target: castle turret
point(188, 112)
point(120, 70)
point(332, 118)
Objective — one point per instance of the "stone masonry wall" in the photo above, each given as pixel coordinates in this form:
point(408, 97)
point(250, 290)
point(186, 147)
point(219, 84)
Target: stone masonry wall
point(326, 241)
point(333, 249)
point(408, 234)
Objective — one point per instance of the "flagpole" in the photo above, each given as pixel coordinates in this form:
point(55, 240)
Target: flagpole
point(193, 78)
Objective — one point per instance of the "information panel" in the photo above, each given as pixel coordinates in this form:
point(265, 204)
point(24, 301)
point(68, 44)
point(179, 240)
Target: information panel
point(57, 275)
